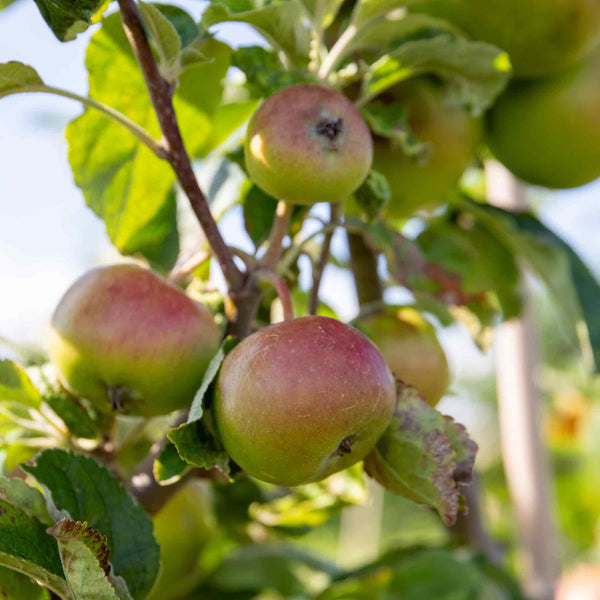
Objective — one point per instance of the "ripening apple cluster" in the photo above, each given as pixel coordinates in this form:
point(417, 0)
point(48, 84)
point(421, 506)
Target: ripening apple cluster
point(294, 402)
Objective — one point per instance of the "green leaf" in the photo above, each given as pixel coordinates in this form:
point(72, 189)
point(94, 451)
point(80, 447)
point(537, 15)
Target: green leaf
point(198, 97)
point(169, 467)
point(163, 33)
point(455, 578)
point(587, 287)
point(498, 579)
point(12, 451)
point(77, 415)
point(26, 547)
point(477, 71)
point(313, 504)
point(406, 573)
point(372, 586)
point(196, 440)
point(67, 18)
point(483, 263)
point(414, 458)
point(382, 35)
point(84, 555)
point(29, 500)
point(325, 11)
point(259, 212)
point(124, 183)
point(197, 446)
point(16, 586)
point(184, 23)
point(571, 285)
point(301, 301)
point(88, 492)
point(264, 71)
point(226, 120)
point(16, 386)
point(368, 10)
point(198, 404)
point(391, 121)
point(269, 566)
point(285, 25)
point(14, 76)
point(373, 195)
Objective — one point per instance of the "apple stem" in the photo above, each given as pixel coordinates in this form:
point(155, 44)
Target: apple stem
point(161, 95)
point(282, 290)
point(319, 267)
point(186, 267)
point(336, 54)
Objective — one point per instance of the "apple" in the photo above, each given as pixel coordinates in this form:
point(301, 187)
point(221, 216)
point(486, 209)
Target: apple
point(411, 349)
point(434, 119)
point(302, 399)
point(547, 132)
point(542, 37)
point(127, 340)
point(183, 529)
point(307, 143)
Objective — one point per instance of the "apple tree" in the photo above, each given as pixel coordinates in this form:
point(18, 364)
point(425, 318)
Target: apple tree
point(181, 437)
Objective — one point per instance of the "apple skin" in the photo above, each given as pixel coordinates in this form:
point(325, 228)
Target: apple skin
point(411, 349)
point(453, 134)
point(581, 583)
point(307, 143)
point(547, 132)
point(124, 330)
point(300, 400)
point(542, 37)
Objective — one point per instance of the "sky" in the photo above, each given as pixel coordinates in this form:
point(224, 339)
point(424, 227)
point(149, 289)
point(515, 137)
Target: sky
point(48, 237)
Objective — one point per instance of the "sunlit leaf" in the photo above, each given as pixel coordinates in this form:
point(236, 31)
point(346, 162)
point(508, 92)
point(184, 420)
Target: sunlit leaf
point(477, 71)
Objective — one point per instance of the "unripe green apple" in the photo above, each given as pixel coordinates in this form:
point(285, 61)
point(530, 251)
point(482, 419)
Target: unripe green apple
point(581, 583)
point(547, 132)
point(434, 119)
point(125, 339)
point(307, 143)
point(182, 529)
point(542, 37)
point(302, 399)
point(408, 343)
